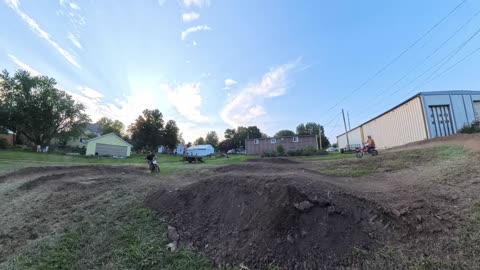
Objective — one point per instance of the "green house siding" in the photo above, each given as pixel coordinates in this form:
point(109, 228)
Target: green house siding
point(109, 139)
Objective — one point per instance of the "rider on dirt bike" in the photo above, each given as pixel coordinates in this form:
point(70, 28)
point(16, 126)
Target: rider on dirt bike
point(370, 144)
point(150, 157)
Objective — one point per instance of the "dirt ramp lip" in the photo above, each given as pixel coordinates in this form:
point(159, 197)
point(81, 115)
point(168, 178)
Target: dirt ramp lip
point(261, 223)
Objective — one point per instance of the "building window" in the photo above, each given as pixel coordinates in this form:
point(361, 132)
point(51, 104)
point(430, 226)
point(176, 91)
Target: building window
point(295, 139)
point(273, 140)
point(256, 141)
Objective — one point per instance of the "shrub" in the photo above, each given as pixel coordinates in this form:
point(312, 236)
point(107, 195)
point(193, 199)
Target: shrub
point(281, 150)
point(470, 129)
point(3, 143)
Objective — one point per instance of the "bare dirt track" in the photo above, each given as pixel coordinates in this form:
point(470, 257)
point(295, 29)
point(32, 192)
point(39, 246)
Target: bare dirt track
point(406, 210)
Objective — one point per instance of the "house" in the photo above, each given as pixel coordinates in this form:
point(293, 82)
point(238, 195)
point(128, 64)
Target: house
point(108, 145)
point(426, 115)
point(289, 143)
point(90, 131)
point(177, 151)
point(10, 137)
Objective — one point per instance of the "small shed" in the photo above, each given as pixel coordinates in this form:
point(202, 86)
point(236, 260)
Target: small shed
point(108, 145)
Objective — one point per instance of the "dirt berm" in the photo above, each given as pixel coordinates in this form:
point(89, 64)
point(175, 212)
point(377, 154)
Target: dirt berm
point(272, 221)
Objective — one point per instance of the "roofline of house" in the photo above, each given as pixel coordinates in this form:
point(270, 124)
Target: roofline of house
point(111, 133)
point(446, 92)
point(281, 137)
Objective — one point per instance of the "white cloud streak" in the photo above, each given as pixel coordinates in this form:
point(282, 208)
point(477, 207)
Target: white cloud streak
point(90, 93)
point(74, 40)
point(190, 17)
point(198, 3)
point(186, 99)
point(24, 66)
point(15, 5)
point(246, 106)
point(229, 83)
point(194, 29)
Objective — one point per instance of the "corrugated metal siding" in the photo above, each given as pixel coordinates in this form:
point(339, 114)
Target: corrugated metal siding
point(400, 126)
point(355, 138)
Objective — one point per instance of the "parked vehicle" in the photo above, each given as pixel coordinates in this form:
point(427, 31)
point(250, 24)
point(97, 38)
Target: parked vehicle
point(198, 152)
point(364, 151)
point(332, 149)
point(154, 166)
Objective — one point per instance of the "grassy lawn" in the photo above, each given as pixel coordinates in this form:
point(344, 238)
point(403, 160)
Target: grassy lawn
point(342, 165)
point(14, 160)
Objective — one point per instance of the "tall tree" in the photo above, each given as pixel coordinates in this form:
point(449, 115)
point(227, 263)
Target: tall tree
point(199, 141)
point(226, 145)
point(34, 107)
point(189, 144)
point(147, 130)
point(284, 132)
point(109, 126)
point(229, 133)
point(241, 133)
point(171, 135)
point(212, 139)
point(312, 128)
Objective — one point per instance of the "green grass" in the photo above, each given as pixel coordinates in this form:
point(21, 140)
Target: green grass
point(14, 160)
point(125, 237)
point(391, 161)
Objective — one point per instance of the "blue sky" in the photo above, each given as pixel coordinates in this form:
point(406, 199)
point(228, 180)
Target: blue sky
point(211, 64)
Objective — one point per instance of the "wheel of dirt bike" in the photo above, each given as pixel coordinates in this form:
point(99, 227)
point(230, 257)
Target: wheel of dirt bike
point(157, 169)
point(359, 154)
point(374, 152)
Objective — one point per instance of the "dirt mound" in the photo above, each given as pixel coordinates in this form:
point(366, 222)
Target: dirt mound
point(271, 222)
point(274, 160)
point(469, 141)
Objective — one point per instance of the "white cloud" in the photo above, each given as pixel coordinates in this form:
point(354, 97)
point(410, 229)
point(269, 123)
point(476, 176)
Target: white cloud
point(246, 106)
point(15, 5)
point(194, 29)
point(198, 3)
point(24, 66)
point(74, 40)
point(190, 17)
point(90, 93)
point(186, 99)
point(194, 43)
point(74, 6)
point(161, 2)
point(229, 83)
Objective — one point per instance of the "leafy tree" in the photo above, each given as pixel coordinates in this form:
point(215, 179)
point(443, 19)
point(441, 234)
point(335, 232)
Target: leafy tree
point(147, 131)
point(109, 126)
point(199, 141)
point(34, 108)
point(284, 132)
point(229, 133)
point(311, 128)
point(212, 139)
point(189, 144)
point(241, 133)
point(281, 150)
point(335, 145)
point(226, 145)
point(171, 135)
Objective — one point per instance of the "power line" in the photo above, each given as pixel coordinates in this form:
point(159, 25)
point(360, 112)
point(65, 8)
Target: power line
point(381, 70)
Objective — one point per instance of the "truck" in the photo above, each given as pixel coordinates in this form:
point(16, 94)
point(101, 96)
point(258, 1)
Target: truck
point(196, 153)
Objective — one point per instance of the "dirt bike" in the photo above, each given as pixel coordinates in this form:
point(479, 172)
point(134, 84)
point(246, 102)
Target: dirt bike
point(153, 167)
point(365, 151)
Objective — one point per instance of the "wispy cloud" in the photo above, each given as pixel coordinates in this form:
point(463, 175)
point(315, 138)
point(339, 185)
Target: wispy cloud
point(198, 3)
point(15, 5)
point(90, 93)
point(194, 29)
point(247, 105)
point(229, 83)
point(74, 6)
point(74, 40)
point(24, 66)
point(161, 2)
point(186, 99)
point(190, 17)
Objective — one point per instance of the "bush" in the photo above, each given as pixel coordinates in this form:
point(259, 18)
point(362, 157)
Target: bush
point(470, 129)
point(281, 150)
point(3, 143)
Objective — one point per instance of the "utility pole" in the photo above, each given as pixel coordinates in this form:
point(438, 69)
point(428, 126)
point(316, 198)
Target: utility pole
point(348, 118)
point(346, 132)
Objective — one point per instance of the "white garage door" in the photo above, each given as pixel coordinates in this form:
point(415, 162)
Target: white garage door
point(110, 150)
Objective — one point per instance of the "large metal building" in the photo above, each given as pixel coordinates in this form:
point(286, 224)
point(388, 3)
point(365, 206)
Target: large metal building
point(426, 115)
